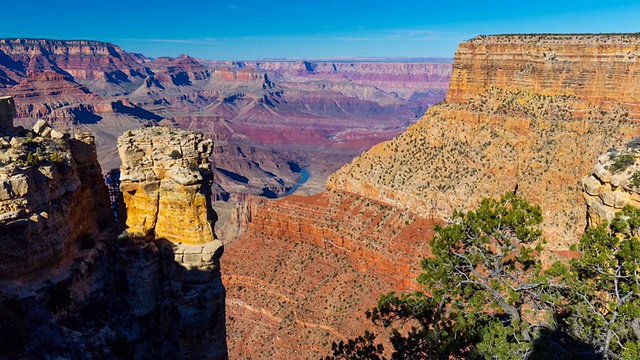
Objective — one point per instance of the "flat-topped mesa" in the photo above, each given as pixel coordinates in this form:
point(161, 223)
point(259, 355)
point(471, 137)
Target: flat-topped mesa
point(7, 112)
point(600, 68)
point(166, 183)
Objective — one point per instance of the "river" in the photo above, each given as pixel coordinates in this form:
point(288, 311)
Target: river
point(304, 176)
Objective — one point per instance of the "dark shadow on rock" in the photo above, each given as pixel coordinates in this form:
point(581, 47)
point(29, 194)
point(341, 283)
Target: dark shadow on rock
point(180, 79)
point(117, 77)
point(559, 344)
point(134, 111)
point(176, 294)
point(268, 193)
point(83, 115)
point(233, 176)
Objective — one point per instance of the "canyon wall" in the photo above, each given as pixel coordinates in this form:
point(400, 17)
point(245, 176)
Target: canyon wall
point(308, 113)
point(537, 132)
point(599, 68)
point(308, 268)
point(526, 133)
point(404, 78)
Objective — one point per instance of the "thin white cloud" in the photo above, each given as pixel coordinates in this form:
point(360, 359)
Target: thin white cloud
point(404, 35)
point(173, 41)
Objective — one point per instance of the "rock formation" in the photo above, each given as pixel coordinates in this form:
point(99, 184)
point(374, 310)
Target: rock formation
point(533, 130)
point(613, 183)
point(536, 130)
point(52, 195)
point(166, 183)
point(172, 264)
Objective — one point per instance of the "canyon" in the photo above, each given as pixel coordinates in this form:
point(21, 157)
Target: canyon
point(269, 119)
point(549, 117)
point(525, 113)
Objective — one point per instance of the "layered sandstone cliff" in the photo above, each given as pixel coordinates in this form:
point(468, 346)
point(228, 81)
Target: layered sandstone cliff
point(536, 131)
point(52, 195)
point(600, 68)
point(309, 267)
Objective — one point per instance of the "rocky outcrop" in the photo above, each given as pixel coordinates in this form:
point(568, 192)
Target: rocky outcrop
point(166, 183)
point(52, 196)
point(171, 257)
point(613, 183)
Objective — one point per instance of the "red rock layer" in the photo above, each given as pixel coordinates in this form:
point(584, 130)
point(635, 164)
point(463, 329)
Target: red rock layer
point(309, 267)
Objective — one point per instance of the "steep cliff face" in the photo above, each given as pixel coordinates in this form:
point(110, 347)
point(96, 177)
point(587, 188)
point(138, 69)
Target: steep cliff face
point(537, 131)
point(170, 256)
point(83, 60)
point(52, 195)
point(600, 69)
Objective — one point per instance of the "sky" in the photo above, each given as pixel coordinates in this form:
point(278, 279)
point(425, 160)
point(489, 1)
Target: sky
point(323, 29)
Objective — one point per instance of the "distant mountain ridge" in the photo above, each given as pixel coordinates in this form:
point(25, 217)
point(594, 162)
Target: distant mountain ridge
point(275, 111)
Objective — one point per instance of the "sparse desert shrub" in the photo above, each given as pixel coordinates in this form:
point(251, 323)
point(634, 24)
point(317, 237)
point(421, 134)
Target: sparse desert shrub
point(620, 163)
point(33, 159)
point(635, 179)
point(175, 154)
point(56, 158)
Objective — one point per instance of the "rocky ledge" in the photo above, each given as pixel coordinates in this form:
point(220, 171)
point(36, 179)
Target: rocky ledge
point(52, 194)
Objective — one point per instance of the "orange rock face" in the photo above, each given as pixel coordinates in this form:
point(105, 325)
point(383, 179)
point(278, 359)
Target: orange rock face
point(601, 69)
point(309, 267)
point(166, 184)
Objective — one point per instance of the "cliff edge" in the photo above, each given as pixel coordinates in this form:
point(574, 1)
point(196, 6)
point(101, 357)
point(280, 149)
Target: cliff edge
point(526, 113)
point(52, 195)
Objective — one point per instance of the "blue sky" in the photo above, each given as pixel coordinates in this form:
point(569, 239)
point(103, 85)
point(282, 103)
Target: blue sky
point(250, 29)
